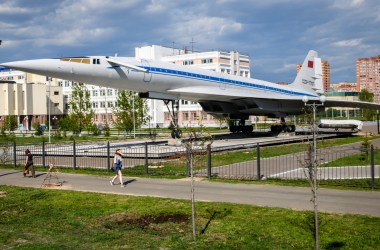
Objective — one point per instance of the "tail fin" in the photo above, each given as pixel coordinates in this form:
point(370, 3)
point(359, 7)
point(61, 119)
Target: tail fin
point(309, 78)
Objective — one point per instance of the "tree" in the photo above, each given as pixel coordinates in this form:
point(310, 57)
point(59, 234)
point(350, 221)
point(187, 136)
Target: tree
point(366, 96)
point(81, 112)
point(126, 102)
point(10, 123)
point(198, 140)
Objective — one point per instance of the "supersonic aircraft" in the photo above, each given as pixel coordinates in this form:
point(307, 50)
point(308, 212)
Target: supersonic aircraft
point(219, 94)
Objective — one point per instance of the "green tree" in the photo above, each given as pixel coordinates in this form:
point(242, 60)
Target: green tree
point(64, 124)
point(10, 123)
point(126, 102)
point(81, 112)
point(37, 128)
point(366, 96)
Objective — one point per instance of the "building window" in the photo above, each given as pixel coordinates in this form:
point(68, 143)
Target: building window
point(110, 105)
point(204, 116)
point(194, 116)
point(209, 60)
point(185, 116)
point(95, 105)
point(56, 104)
point(102, 104)
point(56, 92)
point(188, 62)
point(102, 92)
point(109, 92)
point(94, 93)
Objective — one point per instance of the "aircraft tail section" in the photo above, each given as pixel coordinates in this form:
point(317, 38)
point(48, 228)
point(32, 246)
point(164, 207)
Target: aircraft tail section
point(309, 78)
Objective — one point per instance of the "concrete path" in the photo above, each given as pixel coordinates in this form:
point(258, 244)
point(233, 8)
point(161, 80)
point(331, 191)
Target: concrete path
point(298, 198)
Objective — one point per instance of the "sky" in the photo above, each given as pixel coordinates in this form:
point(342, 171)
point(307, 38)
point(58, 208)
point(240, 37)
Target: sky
point(276, 34)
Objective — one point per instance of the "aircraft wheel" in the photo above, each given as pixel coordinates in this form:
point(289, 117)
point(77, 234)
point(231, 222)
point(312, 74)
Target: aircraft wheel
point(178, 133)
point(293, 128)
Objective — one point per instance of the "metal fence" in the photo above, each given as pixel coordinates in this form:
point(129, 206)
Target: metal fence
point(248, 162)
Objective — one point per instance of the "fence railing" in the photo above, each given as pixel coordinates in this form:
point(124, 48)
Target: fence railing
point(335, 163)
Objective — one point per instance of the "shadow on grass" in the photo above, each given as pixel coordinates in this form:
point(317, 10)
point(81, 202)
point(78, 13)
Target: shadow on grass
point(335, 245)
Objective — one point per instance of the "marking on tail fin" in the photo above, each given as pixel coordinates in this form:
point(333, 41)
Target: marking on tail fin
point(310, 64)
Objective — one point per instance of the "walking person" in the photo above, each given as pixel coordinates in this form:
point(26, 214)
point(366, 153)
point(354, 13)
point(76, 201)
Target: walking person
point(117, 163)
point(28, 163)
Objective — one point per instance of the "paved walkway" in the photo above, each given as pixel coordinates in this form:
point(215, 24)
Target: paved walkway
point(298, 198)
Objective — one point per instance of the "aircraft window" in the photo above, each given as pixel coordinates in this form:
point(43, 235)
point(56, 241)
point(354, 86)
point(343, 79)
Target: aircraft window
point(77, 60)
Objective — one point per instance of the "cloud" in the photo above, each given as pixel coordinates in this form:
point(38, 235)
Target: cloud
point(11, 8)
point(346, 4)
point(290, 67)
point(348, 43)
point(340, 30)
point(204, 29)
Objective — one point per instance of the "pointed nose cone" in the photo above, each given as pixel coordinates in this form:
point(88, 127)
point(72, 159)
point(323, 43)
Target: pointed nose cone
point(23, 65)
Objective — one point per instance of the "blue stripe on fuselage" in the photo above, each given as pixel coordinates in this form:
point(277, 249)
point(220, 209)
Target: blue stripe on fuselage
point(185, 74)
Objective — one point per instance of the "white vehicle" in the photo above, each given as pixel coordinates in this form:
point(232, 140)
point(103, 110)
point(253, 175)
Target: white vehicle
point(354, 125)
point(219, 94)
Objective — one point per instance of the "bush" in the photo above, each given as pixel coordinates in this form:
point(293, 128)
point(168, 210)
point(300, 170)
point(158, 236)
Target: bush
point(37, 128)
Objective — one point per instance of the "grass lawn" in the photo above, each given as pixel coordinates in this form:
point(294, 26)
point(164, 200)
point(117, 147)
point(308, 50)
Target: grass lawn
point(56, 219)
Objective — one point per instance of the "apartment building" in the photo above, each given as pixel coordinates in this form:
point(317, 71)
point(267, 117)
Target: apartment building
point(368, 76)
point(343, 87)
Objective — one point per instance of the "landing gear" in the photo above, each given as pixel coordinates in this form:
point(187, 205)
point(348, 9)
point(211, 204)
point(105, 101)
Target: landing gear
point(240, 127)
point(283, 127)
point(176, 133)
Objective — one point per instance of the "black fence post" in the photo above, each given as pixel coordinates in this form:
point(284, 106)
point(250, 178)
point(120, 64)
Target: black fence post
point(14, 155)
point(108, 157)
point(146, 159)
point(209, 161)
point(258, 161)
point(43, 154)
point(74, 155)
point(372, 167)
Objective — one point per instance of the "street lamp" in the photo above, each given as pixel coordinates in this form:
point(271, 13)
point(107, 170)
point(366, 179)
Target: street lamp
point(49, 100)
point(313, 167)
point(133, 110)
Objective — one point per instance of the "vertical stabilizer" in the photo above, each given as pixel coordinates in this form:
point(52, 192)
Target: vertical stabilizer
point(309, 78)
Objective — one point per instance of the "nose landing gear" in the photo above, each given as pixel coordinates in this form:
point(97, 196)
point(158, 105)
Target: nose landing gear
point(176, 133)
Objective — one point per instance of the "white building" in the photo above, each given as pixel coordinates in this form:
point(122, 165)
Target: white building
point(28, 97)
point(190, 113)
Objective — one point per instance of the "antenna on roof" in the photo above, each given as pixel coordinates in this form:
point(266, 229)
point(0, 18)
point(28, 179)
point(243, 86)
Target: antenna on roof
point(192, 44)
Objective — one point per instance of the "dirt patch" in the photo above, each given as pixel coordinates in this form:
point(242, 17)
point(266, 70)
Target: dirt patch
point(144, 221)
point(3, 193)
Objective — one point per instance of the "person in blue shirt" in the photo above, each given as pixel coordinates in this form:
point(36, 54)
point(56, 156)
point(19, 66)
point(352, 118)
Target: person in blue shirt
point(117, 163)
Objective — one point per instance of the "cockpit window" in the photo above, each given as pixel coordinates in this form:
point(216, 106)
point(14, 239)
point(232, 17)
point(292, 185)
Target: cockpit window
point(77, 60)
